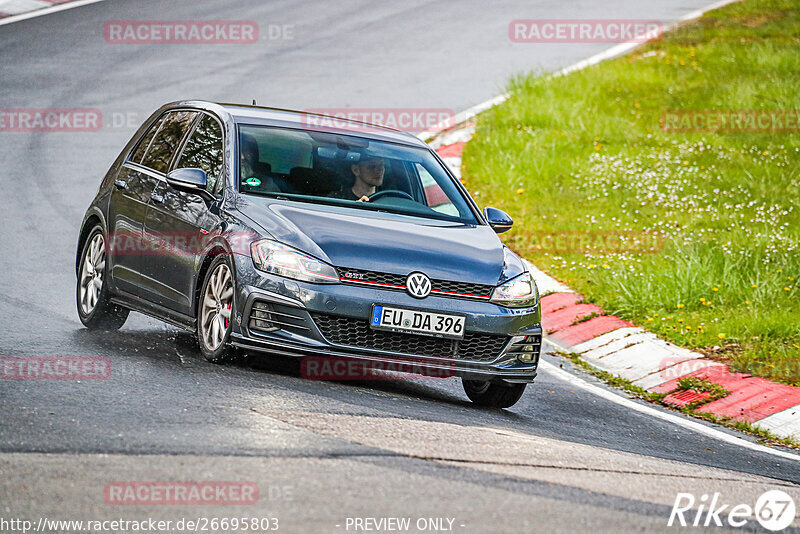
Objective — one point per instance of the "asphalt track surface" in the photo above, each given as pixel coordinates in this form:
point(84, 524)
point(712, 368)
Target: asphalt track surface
point(562, 459)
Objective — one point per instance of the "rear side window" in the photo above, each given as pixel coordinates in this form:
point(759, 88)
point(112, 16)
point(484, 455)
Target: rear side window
point(167, 140)
point(141, 148)
point(204, 151)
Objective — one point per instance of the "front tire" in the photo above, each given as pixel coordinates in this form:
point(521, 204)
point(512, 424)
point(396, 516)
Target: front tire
point(214, 312)
point(493, 394)
point(95, 309)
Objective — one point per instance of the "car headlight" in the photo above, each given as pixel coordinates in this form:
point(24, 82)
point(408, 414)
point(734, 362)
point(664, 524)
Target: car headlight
point(519, 292)
point(273, 257)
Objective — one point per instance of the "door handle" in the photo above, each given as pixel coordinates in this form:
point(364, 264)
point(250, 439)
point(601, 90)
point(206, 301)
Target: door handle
point(121, 184)
point(157, 198)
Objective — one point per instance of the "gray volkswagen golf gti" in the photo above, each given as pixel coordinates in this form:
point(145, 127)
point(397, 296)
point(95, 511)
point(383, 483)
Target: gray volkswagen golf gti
point(298, 234)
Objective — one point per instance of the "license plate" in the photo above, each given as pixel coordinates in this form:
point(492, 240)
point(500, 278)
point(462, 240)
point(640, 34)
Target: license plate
point(417, 322)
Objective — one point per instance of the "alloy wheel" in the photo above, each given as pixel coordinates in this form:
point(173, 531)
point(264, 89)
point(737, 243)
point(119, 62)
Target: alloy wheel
point(217, 304)
point(92, 270)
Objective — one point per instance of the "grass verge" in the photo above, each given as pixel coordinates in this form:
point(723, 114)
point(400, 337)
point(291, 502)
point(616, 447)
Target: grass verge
point(693, 235)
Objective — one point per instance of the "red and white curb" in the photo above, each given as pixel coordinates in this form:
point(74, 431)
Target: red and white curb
point(618, 347)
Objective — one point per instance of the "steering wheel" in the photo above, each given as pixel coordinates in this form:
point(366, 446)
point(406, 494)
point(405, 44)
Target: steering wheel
point(390, 193)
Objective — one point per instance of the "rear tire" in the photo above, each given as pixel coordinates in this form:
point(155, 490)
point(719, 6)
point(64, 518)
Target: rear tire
point(493, 394)
point(215, 312)
point(95, 309)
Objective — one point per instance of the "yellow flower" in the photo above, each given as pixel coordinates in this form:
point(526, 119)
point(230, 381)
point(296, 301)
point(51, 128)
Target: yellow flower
point(691, 53)
point(714, 289)
point(702, 166)
point(753, 285)
point(790, 278)
point(596, 138)
point(649, 319)
point(520, 191)
point(683, 62)
point(721, 336)
point(606, 266)
point(688, 327)
point(694, 63)
point(765, 152)
point(685, 162)
point(591, 265)
point(702, 299)
point(795, 345)
point(708, 303)
point(680, 305)
point(598, 146)
point(787, 288)
point(637, 105)
point(747, 302)
point(780, 270)
point(680, 320)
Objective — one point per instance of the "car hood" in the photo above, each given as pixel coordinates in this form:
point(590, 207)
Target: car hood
point(384, 242)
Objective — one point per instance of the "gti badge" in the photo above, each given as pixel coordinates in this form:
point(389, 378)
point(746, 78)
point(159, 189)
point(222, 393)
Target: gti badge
point(418, 285)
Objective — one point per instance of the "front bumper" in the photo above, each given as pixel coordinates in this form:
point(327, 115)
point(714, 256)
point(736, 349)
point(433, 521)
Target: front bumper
point(288, 317)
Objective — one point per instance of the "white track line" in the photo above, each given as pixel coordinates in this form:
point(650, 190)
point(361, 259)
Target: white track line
point(46, 11)
point(612, 52)
point(685, 422)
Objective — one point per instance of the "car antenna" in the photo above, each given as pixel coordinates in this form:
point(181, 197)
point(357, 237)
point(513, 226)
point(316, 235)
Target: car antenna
point(254, 101)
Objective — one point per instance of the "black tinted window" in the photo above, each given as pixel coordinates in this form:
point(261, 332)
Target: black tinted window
point(339, 169)
point(204, 151)
point(167, 140)
point(141, 148)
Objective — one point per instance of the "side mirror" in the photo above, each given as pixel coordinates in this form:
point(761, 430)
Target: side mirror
point(498, 220)
point(191, 179)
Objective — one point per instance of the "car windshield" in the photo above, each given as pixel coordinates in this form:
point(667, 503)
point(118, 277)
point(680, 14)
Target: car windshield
point(360, 173)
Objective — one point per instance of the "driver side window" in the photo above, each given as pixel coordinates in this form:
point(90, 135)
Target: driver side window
point(204, 150)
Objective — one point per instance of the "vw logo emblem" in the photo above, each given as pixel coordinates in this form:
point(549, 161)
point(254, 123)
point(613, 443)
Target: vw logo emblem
point(418, 285)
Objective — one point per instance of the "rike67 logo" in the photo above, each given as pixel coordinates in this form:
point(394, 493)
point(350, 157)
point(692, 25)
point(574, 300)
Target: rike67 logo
point(774, 510)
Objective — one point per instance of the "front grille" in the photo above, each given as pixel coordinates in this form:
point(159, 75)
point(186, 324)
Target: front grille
point(267, 317)
point(398, 281)
point(357, 333)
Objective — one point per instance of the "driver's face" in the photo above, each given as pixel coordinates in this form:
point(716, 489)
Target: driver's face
point(370, 171)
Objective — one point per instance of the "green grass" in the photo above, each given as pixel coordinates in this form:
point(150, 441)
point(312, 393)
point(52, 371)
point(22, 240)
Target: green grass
point(586, 153)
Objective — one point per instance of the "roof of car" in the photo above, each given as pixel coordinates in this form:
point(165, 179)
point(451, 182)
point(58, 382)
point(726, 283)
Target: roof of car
point(241, 113)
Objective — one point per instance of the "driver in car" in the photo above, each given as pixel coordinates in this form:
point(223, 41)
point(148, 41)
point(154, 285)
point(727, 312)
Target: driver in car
point(368, 173)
